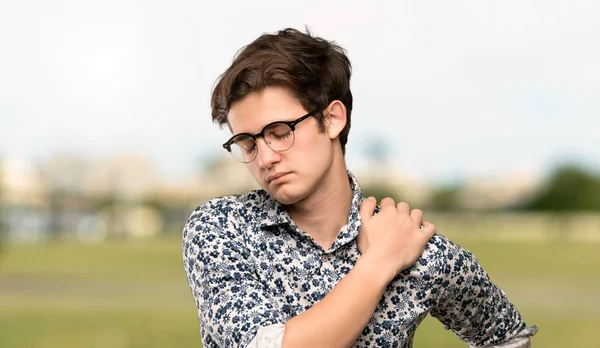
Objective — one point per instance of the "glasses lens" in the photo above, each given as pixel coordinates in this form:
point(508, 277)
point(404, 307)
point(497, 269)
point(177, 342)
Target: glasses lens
point(279, 136)
point(243, 148)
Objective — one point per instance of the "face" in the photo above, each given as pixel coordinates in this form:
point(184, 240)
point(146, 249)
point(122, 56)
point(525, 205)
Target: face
point(294, 174)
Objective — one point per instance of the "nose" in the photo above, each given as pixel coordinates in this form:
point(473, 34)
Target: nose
point(266, 156)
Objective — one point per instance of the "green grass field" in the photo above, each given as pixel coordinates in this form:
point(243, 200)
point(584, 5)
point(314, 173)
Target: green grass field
point(135, 294)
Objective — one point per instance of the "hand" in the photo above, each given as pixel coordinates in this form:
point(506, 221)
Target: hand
point(393, 239)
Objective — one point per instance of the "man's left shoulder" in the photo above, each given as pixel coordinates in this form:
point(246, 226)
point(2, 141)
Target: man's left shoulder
point(441, 243)
point(440, 254)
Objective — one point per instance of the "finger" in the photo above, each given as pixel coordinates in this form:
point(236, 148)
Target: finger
point(387, 202)
point(428, 230)
point(403, 207)
point(367, 208)
point(416, 215)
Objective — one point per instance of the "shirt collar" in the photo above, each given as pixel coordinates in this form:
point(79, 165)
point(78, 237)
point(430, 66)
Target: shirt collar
point(350, 231)
point(275, 214)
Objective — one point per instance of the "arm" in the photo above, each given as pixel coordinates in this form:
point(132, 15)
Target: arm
point(389, 242)
point(472, 306)
point(235, 310)
point(233, 305)
point(338, 319)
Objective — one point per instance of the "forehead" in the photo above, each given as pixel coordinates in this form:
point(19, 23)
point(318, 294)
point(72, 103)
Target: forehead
point(257, 109)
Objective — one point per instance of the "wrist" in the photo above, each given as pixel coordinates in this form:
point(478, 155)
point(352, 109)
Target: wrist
point(375, 270)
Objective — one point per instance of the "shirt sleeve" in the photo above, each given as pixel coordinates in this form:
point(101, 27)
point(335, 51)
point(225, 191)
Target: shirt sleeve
point(232, 303)
point(270, 337)
point(521, 340)
point(472, 306)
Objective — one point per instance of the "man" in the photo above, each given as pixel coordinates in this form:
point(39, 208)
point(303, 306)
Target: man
point(307, 261)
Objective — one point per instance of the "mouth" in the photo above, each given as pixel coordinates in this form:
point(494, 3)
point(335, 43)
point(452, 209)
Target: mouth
point(275, 176)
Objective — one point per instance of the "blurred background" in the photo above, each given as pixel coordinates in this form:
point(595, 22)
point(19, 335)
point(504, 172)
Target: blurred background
point(483, 114)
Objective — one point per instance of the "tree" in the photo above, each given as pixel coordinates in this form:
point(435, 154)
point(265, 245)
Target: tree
point(380, 190)
point(378, 153)
point(445, 198)
point(570, 188)
point(377, 150)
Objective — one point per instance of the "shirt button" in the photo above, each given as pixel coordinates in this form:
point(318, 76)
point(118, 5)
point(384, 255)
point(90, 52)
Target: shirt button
point(324, 257)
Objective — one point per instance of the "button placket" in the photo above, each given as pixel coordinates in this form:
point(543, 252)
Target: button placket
point(323, 258)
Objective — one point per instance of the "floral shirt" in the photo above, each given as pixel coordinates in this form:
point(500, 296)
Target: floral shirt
point(251, 269)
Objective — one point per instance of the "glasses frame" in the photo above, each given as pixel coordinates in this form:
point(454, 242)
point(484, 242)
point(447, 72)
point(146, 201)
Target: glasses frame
point(291, 124)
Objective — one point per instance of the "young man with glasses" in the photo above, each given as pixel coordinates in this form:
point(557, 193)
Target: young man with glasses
point(307, 261)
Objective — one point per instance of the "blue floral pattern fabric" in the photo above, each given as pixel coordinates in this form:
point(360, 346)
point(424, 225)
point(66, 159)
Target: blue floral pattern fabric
point(248, 266)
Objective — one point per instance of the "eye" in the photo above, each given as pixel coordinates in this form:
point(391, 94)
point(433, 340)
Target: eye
point(278, 131)
point(282, 136)
point(249, 149)
point(245, 143)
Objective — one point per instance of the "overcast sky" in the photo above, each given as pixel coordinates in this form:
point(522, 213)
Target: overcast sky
point(456, 88)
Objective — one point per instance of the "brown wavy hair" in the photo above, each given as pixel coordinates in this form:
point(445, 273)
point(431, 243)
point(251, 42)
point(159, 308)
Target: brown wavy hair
point(316, 71)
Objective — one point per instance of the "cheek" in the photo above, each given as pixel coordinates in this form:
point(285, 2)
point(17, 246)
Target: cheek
point(312, 151)
point(313, 142)
point(254, 169)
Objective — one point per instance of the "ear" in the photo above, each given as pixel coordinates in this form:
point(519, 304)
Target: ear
point(335, 118)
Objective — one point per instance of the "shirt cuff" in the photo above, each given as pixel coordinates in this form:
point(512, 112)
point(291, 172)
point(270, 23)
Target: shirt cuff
point(270, 336)
point(520, 340)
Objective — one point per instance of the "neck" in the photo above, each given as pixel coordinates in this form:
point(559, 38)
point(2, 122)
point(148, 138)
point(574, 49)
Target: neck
point(325, 212)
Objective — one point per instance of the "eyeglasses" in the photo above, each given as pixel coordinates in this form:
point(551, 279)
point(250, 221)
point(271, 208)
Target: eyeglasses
point(279, 136)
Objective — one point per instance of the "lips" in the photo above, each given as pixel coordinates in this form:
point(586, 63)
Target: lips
point(275, 176)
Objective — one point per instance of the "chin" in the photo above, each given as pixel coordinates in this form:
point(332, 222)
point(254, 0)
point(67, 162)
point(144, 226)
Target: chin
point(286, 194)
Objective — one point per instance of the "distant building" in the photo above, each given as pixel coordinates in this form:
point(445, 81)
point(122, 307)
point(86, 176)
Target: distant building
point(499, 192)
point(224, 175)
point(23, 196)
